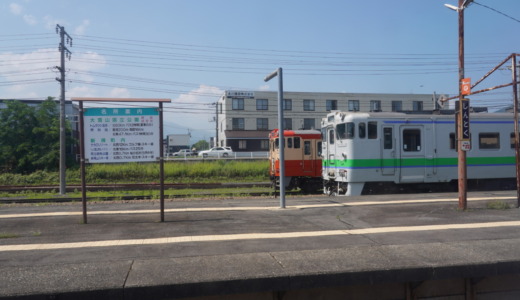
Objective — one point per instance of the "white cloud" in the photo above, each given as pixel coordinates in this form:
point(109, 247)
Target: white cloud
point(80, 30)
point(30, 19)
point(264, 87)
point(16, 9)
point(50, 22)
point(119, 93)
point(203, 94)
point(31, 75)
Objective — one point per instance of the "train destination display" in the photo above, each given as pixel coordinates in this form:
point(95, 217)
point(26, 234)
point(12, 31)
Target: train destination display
point(121, 135)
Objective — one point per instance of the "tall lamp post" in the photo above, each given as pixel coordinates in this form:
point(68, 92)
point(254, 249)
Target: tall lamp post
point(462, 167)
point(281, 143)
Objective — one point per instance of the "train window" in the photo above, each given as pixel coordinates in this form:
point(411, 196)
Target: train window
point(289, 143)
point(331, 137)
point(372, 130)
point(412, 140)
point(489, 140)
point(512, 140)
point(345, 130)
point(307, 147)
point(362, 130)
point(319, 149)
point(296, 143)
point(388, 139)
point(276, 144)
point(323, 133)
point(453, 141)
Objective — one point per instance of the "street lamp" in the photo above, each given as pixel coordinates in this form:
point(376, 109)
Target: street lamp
point(462, 167)
point(281, 143)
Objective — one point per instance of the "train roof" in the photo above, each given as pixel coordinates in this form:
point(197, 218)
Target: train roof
point(304, 133)
point(343, 116)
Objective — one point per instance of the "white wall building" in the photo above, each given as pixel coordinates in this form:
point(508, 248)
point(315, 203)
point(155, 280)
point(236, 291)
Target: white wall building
point(245, 118)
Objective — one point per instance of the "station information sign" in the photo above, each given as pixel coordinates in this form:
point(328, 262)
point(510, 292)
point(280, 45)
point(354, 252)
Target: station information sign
point(115, 135)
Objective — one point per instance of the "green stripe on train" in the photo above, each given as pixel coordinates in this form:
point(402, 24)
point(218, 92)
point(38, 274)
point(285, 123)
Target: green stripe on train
point(417, 162)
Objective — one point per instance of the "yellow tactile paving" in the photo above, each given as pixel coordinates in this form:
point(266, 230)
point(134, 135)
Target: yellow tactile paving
point(254, 236)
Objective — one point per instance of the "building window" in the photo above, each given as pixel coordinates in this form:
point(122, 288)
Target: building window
point(287, 104)
point(262, 124)
point(242, 144)
point(397, 105)
point(261, 104)
point(287, 124)
point(264, 144)
point(309, 123)
point(238, 104)
point(417, 106)
point(238, 124)
point(489, 140)
point(353, 105)
point(332, 105)
point(375, 105)
point(308, 105)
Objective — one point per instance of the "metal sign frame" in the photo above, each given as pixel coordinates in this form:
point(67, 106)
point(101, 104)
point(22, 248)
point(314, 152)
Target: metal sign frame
point(82, 145)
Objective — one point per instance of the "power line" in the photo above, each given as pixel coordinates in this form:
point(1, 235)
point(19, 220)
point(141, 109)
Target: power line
point(497, 11)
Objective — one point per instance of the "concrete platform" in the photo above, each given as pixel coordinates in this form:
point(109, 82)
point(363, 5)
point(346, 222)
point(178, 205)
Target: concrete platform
point(370, 247)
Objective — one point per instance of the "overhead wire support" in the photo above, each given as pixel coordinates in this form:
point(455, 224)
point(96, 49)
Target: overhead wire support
point(65, 38)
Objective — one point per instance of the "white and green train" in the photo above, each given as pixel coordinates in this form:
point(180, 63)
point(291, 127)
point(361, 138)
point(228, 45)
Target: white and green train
point(381, 149)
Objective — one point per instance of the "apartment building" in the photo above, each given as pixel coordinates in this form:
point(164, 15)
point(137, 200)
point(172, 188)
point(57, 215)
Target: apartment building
point(245, 118)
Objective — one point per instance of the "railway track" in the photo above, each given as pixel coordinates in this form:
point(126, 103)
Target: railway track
point(206, 193)
point(130, 186)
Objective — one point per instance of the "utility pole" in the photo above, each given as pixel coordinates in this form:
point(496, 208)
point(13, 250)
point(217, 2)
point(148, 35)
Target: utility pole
point(64, 52)
point(515, 108)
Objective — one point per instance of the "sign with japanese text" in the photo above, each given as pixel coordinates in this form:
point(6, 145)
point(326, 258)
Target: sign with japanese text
point(464, 124)
point(115, 135)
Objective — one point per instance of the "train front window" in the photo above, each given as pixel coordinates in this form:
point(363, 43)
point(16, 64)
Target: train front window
point(345, 130)
point(289, 143)
point(362, 130)
point(276, 144)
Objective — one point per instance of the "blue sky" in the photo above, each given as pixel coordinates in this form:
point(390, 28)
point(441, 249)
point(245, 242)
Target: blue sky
point(191, 51)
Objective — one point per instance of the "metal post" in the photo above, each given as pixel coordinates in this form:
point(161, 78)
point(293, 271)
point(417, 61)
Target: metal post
point(281, 139)
point(462, 168)
point(62, 115)
point(161, 159)
point(82, 162)
point(517, 147)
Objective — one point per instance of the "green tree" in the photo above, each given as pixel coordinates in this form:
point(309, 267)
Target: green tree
point(29, 136)
point(201, 145)
point(17, 121)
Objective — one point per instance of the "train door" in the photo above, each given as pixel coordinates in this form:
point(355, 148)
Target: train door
point(412, 153)
point(388, 161)
point(308, 165)
point(328, 150)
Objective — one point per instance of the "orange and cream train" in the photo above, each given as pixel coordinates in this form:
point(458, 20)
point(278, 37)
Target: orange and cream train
point(302, 159)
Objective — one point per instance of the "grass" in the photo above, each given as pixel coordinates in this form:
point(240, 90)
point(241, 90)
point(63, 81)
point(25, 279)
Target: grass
point(4, 235)
point(498, 205)
point(174, 171)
